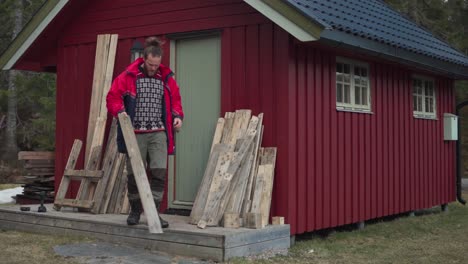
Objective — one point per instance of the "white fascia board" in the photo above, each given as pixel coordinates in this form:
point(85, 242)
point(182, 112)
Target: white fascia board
point(281, 20)
point(35, 34)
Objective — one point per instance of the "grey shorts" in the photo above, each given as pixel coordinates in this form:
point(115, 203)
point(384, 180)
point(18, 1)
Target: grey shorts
point(153, 150)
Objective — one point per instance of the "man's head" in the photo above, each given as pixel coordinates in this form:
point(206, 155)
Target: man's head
point(152, 55)
point(151, 64)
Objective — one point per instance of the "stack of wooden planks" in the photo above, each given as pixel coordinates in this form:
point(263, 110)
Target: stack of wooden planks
point(38, 177)
point(238, 179)
point(107, 194)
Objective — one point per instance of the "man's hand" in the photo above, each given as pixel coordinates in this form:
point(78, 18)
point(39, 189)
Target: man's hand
point(177, 123)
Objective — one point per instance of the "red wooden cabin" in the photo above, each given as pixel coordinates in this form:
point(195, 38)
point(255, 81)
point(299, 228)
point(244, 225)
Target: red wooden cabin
point(354, 95)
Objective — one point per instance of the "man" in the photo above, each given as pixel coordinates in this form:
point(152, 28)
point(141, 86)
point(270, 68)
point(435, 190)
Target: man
point(148, 93)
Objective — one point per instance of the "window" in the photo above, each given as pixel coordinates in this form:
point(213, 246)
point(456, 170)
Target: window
point(352, 86)
point(424, 100)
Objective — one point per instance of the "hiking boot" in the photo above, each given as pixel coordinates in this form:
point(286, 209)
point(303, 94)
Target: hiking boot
point(135, 212)
point(164, 223)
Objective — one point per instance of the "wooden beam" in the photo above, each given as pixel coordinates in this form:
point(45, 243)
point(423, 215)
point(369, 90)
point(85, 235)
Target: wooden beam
point(204, 188)
point(277, 220)
point(72, 159)
point(76, 174)
point(36, 155)
point(218, 133)
point(109, 159)
point(84, 204)
point(253, 220)
point(101, 57)
point(217, 190)
point(231, 220)
point(139, 171)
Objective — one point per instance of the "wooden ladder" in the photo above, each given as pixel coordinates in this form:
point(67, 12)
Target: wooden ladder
point(90, 173)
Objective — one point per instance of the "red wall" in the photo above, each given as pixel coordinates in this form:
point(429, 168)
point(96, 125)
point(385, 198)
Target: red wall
point(347, 167)
point(333, 168)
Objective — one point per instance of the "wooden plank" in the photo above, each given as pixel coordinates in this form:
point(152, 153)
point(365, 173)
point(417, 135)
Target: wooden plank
point(235, 164)
point(116, 169)
point(76, 174)
point(231, 220)
point(266, 193)
point(217, 189)
point(109, 159)
point(101, 58)
point(245, 120)
point(215, 207)
point(239, 126)
point(119, 190)
point(99, 128)
point(258, 190)
point(202, 195)
point(218, 133)
point(253, 171)
point(277, 220)
point(238, 186)
point(253, 220)
point(92, 165)
point(87, 204)
point(228, 122)
point(36, 155)
point(72, 159)
point(114, 195)
point(126, 204)
point(139, 171)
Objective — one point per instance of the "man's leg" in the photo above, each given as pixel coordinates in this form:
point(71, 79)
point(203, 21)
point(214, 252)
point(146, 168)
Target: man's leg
point(157, 151)
point(136, 207)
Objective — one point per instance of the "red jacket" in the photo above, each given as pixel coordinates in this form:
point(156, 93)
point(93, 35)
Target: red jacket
point(122, 97)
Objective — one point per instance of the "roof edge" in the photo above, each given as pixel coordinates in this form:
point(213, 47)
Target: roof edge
point(342, 39)
point(288, 18)
point(30, 33)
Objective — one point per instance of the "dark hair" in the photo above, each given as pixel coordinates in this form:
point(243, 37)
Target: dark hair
point(153, 46)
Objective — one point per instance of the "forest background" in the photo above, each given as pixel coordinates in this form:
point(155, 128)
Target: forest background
point(27, 99)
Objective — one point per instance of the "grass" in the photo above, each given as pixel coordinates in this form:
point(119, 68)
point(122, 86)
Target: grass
point(430, 237)
point(22, 247)
point(8, 186)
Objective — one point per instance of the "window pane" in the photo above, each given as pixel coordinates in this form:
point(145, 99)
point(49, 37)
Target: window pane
point(357, 95)
point(347, 92)
point(426, 102)
point(339, 92)
point(347, 78)
point(357, 71)
point(339, 77)
point(339, 67)
point(420, 108)
point(415, 103)
point(364, 72)
point(347, 68)
point(364, 100)
point(357, 81)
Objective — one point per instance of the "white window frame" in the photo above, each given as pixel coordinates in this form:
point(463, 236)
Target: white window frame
point(353, 106)
point(424, 114)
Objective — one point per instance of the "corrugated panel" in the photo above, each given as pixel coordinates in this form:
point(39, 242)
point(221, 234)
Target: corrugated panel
point(354, 166)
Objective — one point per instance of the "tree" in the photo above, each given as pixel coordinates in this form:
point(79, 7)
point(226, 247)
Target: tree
point(9, 147)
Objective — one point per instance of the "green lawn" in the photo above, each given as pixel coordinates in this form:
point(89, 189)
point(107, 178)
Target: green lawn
point(431, 236)
point(8, 186)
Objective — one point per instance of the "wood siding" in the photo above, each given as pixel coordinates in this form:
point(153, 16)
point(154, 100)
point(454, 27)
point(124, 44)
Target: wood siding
point(349, 167)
